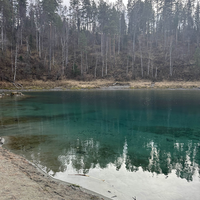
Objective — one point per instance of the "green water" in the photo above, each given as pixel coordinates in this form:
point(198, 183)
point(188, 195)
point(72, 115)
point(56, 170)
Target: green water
point(118, 138)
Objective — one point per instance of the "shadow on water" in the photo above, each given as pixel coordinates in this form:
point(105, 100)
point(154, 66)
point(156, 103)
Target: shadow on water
point(4, 121)
point(10, 120)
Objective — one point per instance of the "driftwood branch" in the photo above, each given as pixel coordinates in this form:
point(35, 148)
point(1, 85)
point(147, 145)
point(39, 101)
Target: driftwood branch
point(17, 85)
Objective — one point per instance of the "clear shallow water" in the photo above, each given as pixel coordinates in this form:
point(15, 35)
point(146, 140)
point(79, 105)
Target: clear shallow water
point(143, 144)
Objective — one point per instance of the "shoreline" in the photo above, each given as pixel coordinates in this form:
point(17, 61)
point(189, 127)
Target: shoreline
point(100, 84)
point(22, 179)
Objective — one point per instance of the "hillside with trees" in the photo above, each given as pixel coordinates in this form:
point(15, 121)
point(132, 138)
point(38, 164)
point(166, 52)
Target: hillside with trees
point(149, 39)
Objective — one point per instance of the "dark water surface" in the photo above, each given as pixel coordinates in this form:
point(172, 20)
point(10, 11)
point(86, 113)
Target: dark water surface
point(143, 143)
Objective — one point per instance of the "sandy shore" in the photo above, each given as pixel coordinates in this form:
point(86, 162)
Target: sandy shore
point(20, 180)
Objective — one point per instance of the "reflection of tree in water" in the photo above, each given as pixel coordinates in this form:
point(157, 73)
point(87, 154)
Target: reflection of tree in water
point(81, 155)
point(162, 159)
point(159, 157)
point(89, 154)
point(152, 142)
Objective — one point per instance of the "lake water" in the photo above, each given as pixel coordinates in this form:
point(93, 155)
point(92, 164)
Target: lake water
point(142, 144)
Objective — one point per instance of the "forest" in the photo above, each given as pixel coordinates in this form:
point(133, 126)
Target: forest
point(145, 39)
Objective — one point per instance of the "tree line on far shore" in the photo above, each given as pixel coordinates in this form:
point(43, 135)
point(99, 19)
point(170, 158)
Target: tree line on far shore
point(145, 39)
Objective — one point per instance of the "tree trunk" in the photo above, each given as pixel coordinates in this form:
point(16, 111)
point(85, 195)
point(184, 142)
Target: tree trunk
point(149, 61)
point(170, 58)
point(95, 70)
point(151, 69)
point(11, 55)
point(141, 57)
point(114, 45)
point(119, 36)
point(45, 57)
point(15, 72)
point(50, 50)
point(42, 43)
point(118, 45)
point(66, 56)
point(102, 67)
point(63, 57)
point(110, 47)
point(27, 45)
point(188, 46)
point(156, 73)
point(21, 30)
point(74, 59)
point(148, 67)
point(165, 40)
point(132, 65)
point(81, 63)
point(67, 45)
point(2, 26)
point(114, 51)
point(53, 46)
point(36, 37)
point(101, 44)
point(74, 55)
point(106, 55)
point(53, 60)
point(134, 46)
point(86, 60)
point(39, 37)
point(127, 67)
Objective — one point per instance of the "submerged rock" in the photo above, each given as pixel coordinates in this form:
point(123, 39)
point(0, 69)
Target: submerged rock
point(2, 95)
point(16, 94)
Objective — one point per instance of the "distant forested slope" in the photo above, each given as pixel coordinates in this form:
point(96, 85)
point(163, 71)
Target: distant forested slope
point(149, 39)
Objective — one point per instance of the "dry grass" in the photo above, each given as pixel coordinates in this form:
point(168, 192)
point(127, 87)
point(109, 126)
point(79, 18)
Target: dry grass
point(63, 84)
point(165, 84)
point(73, 84)
point(140, 84)
point(6, 85)
point(177, 84)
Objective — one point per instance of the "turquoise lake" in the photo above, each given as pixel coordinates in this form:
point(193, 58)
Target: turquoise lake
point(142, 144)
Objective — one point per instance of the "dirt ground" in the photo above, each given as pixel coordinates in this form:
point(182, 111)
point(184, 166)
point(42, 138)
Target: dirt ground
point(20, 180)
